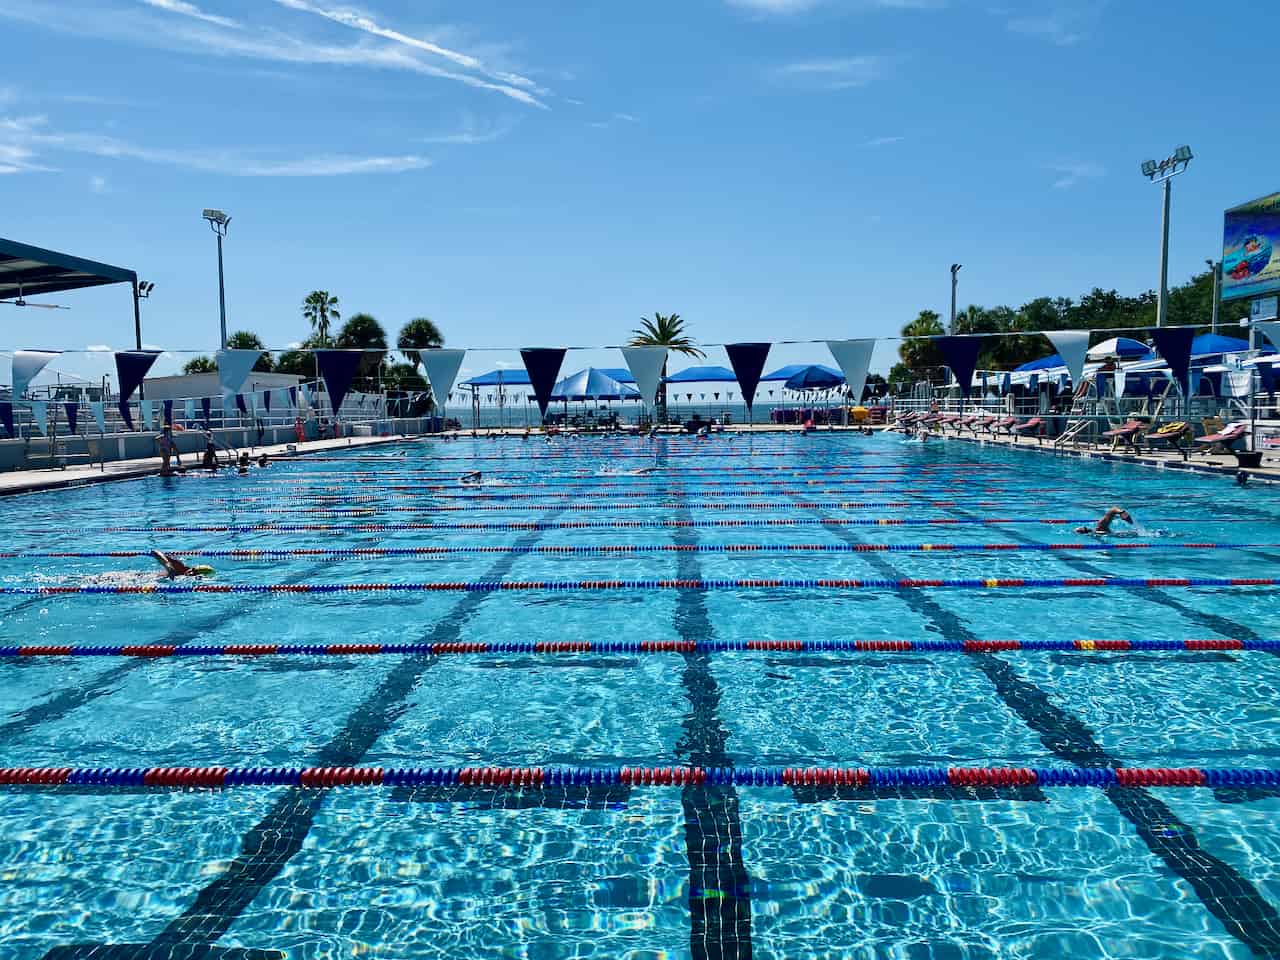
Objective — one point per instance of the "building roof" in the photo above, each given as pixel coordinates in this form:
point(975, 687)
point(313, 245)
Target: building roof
point(29, 270)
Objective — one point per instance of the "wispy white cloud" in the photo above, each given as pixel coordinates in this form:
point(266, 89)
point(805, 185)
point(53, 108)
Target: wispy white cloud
point(25, 138)
point(1063, 23)
point(1069, 174)
point(626, 118)
point(832, 73)
point(513, 84)
point(191, 10)
point(783, 8)
point(883, 141)
point(472, 130)
point(98, 184)
point(775, 6)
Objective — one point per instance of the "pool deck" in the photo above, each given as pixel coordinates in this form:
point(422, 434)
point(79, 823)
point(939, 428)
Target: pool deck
point(79, 475)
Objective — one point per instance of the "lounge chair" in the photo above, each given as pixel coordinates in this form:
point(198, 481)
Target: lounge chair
point(1224, 440)
point(966, 423)
point(1033, 427)
point(984, 424)
point(1006, 424)
point(1173, 434)
point(1128, 434)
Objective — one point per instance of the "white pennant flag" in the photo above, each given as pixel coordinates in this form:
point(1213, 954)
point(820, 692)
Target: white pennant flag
point(26, 364)
point(144, 408)
point(1072, 346)
point(40, 415)
point(645, 364)
point(1268, 328)
point(854, 359)
point(1120, 382)
point(99, 414)
point(441, 367)
point(234, 367)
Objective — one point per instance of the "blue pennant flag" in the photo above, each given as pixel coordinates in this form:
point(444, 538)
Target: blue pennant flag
point(1174, 344)
point(747, 360)
point(168, 413)
point(73, 409)
point(206, 407)
point(543, 366)
point(337, 369)
point(1267, 375)
point(266, 400)
point(293, 396)
point(961, 356)
point(131, 368)
point(6, 416)
point(240, 404)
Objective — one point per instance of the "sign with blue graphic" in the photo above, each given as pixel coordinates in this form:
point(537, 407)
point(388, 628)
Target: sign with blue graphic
point(1250, 258)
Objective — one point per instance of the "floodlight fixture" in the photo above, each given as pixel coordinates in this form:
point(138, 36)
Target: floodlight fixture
point(1163, 172)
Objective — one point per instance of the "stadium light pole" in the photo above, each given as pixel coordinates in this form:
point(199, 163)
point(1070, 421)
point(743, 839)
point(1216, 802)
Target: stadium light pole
point(955, 269)
point(1163, 172)
point(218, 222)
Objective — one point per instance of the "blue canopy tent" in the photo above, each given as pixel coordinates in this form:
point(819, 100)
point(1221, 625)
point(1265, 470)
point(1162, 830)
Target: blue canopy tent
point(1213, 344)
point(813, 377)
point(1044, 363)
point(621, 374)
point(791, 369)
point(710, 374)
point(593, 384)
point(500, 378)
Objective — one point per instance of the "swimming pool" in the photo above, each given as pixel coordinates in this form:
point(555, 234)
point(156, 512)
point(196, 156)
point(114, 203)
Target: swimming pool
point(845, 544)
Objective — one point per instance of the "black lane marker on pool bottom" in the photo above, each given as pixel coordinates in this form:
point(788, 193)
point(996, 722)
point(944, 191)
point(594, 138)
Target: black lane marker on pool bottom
point(268, 846)
point(719, 887)
point(1226, 894)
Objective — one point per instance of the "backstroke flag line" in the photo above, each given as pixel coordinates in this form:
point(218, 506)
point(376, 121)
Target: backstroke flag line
point(1174, 344)
point(1268, 328)
point(26, 364)
point(854, 359)
point(747, 360)
point(543, 366)
point(441, 367)
point(131, 368)
point(961, 356)
point(1072, 346)
point(73, 409)
point(645, 364)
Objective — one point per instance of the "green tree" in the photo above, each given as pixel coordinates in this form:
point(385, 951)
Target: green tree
point(300, 362)
point(247, 340)
point(363, 332)
point(320, 310)
point(418, 334)
point(200, 365)
point(665, 331)
point(921, 357)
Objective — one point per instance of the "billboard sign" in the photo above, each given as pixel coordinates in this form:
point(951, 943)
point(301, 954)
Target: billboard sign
point(1251, 249)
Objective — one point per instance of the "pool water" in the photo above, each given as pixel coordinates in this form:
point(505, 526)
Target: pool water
point(635, 872)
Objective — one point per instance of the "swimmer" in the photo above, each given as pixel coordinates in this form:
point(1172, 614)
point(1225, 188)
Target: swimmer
point(472, 478)
point(174, 567)
point(1103, 527)
point(265, 461)
point(1242, 478)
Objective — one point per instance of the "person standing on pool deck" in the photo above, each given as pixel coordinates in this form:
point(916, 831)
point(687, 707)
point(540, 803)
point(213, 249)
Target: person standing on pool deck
point(168, 449)
point(1103, 527)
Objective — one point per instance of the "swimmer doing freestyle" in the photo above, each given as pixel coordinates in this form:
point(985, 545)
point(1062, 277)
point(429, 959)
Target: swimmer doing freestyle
point(1103, 527)
point(173, 567)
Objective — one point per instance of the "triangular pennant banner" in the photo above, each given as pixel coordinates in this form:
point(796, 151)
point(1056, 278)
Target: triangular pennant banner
point(282, 398)
point(266, 400)
point(1006, 383)
point(240, 405)
point(131, 368)
point(144, 409)
point(40, 416)
point(338, 369)
point(747, 361)
point(1033, 382)
point(853, 357)
point(1072, 347)
point(73, 419)
point(125, 415)
point(645, 364)
point(1267, 375)
point(543, 367)
point(961, 356)
point(441, 367)
point(99, 410)
point(234, 367)
point(189, 409)
point(1268, 328)
point(168, 413)
point(1174, 344)
point(206, 407)
point(26, 364)
point(1121, 382)
point(6, 416)
point(293, 396)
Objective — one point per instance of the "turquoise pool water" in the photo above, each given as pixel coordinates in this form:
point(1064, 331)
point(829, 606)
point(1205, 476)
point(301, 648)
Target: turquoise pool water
point(643, 872)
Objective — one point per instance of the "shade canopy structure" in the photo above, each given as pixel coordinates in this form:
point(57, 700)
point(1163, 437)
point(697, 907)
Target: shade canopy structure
point(1211, 344)
point(710, 374)
point(814, 377)
point(1122, 348)
point(1044, 363)
point(28, 271)
point(593, 384)
point(621, 374)
point(791, 369)
point(499, 378)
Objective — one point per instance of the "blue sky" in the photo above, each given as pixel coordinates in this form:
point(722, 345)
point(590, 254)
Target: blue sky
point(540, 173)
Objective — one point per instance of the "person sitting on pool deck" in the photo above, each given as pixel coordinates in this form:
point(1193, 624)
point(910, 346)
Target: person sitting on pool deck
point(1103, 527)
point(176, 568)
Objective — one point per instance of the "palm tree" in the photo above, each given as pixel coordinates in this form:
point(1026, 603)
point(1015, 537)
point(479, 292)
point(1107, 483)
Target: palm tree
point(665, 331)
point(419, 334)
point(200, 365)
point(320, 309)
point(363, 332)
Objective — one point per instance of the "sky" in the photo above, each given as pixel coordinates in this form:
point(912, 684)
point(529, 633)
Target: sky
point(538, 174)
